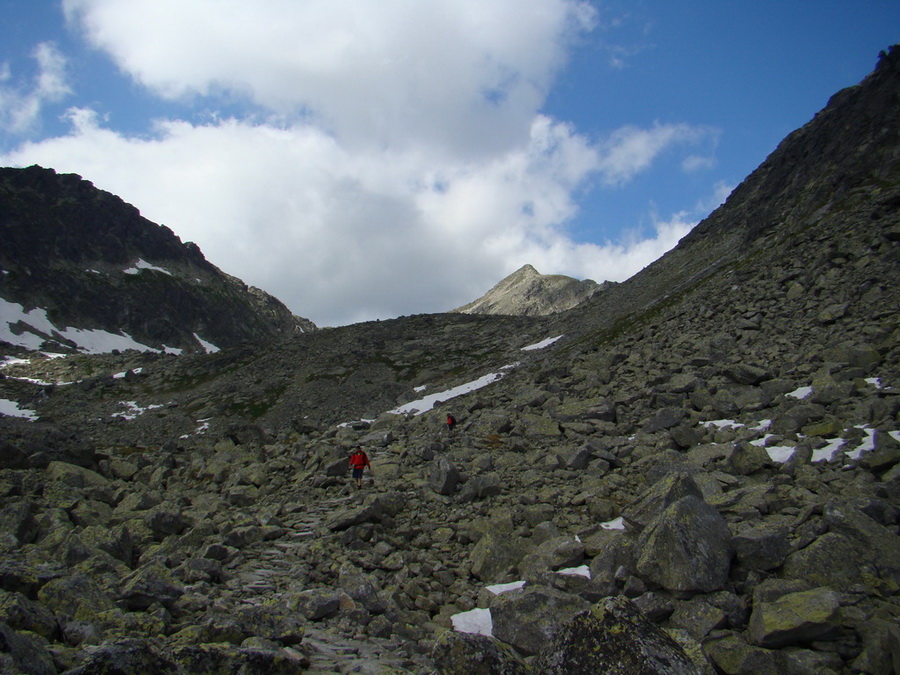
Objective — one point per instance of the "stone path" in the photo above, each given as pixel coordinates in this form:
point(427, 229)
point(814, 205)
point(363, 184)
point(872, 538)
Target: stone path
point(269, 574)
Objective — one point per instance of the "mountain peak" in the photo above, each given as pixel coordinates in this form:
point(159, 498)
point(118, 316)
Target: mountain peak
point(527, 292)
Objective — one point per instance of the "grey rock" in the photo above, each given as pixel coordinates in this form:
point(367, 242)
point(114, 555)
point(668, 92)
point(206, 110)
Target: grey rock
point(528, 618)
point(495, 555)
point(795, 618)
point(443, 477)
point(762, 547)
point(687, 548)
point(613, 637)
point(653, 502)
point(470, 654)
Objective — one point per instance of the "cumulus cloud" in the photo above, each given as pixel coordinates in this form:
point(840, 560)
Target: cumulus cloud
point(463, 75)
point(393, 159)
point(21, 104)
point(632, 149)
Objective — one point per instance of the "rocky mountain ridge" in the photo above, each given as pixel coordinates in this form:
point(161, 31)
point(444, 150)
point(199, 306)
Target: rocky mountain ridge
point(695, 471)
point(76, 259)
point(527, 292)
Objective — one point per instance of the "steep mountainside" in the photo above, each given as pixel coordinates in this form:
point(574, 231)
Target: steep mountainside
point(695, 471)
point(527, 292)
point(91, 262)
point(838, 171)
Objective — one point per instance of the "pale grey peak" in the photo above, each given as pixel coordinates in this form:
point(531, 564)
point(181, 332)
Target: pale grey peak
point(527, 292)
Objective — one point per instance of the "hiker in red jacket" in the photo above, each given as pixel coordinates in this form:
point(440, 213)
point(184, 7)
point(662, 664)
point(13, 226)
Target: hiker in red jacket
point(359, 460)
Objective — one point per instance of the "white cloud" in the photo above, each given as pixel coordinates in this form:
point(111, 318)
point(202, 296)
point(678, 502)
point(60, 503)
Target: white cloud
point(21, 105)
point(454, 74)
point(632, 149)
point(395, 161)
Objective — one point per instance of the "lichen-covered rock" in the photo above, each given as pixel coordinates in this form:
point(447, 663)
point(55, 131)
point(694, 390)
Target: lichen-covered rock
point(733, 656)
point(613, 637)
point(762, 547)
point(316, 603)
point(24, 653)
point(443, 477)
point(687, 548)
point(855, 550)
point(638, 514)
point(470, 654)
point(496, 554)
point(527, 618)
point(795, 618)
point(554, 554)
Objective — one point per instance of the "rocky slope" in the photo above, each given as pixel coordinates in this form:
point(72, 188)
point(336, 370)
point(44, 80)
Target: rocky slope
point(91, 262)
point(699, 475)
point(527, 292)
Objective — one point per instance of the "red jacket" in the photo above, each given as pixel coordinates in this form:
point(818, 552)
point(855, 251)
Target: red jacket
point(359, 460)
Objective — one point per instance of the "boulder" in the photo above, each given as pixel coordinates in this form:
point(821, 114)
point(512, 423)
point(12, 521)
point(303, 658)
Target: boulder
point(613, 637)
point(552, 555)
point(24, 653)
point(733, 656)
point(496, 555)
point(638, 514)
point(762, 547)
point(855, 550)
point(687, 548)
point(744, 459)
point(528, 617)
point(370, 512)
point(316, 603)
point(443, 476)
point(795, 618)
point(470, 654)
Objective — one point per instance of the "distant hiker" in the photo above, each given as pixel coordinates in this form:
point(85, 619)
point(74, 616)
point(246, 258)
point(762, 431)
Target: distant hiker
point(451, 422)
point(359, 460)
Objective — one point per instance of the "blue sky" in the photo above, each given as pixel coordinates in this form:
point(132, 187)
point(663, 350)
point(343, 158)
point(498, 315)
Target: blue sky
point(364, 160)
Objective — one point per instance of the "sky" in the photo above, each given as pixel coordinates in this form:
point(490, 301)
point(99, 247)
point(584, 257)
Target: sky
point(366, 160)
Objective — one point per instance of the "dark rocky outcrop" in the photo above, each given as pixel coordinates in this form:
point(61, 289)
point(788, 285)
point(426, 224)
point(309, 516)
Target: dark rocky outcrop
point(75, 251)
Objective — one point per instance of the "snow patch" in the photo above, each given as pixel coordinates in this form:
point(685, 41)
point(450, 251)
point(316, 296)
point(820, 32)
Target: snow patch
point(497, 589)
point(477, 621)
point(33, 327)
point(780, 453)
point(427, 403)
point(828, 452)
point(12, 409)
point(208, 346)
point(133, 410)
point(542, 344)
point(615, 524)
point(580, 571)
point(144, 265)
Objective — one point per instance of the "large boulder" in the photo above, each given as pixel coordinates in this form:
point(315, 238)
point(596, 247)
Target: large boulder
point(855, 550)
point(471, 654)
point(554, 554)
point(687, 548)
point(528, 617)
point(496, 555)
point(638, 514)
point(613, 637)
point(443, 477)
point(795, 618)
point(763, 546)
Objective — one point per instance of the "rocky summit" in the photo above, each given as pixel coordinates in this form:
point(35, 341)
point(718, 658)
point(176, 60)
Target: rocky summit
point(527, 292)
point(694, 471)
